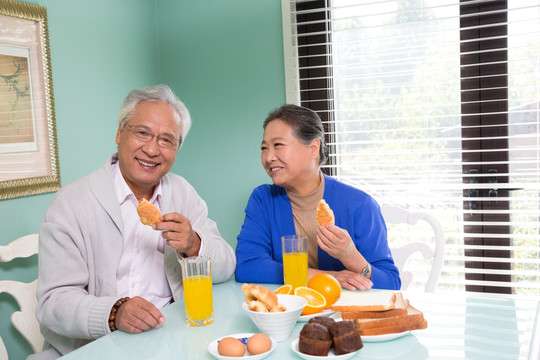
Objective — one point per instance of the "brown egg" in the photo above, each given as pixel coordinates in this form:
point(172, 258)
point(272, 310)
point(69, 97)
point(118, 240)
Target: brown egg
point(229, 346)
point(258, 344)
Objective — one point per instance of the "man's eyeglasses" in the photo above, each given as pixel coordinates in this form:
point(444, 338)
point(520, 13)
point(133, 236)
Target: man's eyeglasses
point(164, 141)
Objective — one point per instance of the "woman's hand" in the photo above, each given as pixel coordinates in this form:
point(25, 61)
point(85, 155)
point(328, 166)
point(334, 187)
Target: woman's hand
point(352, 281)
point(336, 242)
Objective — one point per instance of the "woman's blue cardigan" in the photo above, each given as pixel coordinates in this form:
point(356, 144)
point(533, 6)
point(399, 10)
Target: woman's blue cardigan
point(269, 216)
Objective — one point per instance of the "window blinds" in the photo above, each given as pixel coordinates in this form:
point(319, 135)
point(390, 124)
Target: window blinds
point(433, 106)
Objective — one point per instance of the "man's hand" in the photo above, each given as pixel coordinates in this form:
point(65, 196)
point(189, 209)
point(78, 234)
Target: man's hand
point(138, 315)
point(178, 233)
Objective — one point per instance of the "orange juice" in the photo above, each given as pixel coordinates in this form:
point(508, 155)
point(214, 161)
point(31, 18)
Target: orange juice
point(198, 300)
point(295, 268)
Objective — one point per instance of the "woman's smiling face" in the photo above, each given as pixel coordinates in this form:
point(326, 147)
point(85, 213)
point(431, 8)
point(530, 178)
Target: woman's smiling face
point(288, 161)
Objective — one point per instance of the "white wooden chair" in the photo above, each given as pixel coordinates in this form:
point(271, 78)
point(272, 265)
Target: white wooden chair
point(534, 349)
point(24, 293)
point(396, 215)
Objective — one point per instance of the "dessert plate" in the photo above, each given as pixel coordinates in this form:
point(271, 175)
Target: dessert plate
point(212, 348)
point(305, 318)
point(385, 337)
point(331, 355)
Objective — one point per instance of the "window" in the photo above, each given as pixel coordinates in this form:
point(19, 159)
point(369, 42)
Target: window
point(433, 105)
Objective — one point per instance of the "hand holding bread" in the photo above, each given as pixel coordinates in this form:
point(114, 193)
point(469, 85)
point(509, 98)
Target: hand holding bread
point(175, 228)
point(338, 243)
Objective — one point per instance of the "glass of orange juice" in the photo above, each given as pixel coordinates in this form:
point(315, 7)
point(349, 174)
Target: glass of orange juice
point(197, 280)
point(295, 260)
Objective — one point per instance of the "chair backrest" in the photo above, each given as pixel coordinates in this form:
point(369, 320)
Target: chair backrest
point(396, 215)
point(534, 349)
point(24, 293)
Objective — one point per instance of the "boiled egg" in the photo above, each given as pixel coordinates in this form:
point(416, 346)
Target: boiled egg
point(258, 344)
point(229, 346)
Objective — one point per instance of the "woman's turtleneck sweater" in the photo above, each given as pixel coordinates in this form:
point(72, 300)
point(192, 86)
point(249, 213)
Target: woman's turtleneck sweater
point(304, 209)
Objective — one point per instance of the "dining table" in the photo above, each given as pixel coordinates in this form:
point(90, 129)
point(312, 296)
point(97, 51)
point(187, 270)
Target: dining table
point(461, 325)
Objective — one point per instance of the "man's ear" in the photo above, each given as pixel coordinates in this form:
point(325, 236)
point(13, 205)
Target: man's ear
point(118, 134)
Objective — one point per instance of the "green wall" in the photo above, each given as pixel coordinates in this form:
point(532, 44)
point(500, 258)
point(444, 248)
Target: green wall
point(224, 59)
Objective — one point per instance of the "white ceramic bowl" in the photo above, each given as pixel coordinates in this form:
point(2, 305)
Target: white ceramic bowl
point(278, 324)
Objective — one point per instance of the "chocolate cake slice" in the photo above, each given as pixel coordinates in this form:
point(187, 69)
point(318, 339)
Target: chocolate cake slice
point(345, 336)
point(323, 320)
point(315, 340)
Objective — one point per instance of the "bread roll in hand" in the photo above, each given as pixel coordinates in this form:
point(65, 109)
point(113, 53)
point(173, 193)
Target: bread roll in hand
point(148, 213)
point(325, 215)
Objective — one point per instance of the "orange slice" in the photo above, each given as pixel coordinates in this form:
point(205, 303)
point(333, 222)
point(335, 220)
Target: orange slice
point(315, 301)
point(284, 289)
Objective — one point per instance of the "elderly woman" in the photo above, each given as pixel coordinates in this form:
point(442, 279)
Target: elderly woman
point(354, 250)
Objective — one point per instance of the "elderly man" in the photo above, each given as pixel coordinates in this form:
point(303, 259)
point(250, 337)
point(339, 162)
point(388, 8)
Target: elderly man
point(100, 268)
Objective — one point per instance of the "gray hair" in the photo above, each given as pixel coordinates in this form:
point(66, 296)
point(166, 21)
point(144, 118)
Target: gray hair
point(157, 93)
point(306, 126)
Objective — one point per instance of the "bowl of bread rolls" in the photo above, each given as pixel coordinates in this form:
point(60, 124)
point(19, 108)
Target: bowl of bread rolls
point(274, 315)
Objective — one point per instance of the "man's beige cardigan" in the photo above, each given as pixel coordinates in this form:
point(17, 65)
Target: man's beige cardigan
point(80, 248)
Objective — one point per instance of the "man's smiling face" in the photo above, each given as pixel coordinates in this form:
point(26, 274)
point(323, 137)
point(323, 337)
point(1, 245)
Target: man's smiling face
point(143, 164)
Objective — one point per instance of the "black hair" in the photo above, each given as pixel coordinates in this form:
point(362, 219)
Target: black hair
point(306, 125)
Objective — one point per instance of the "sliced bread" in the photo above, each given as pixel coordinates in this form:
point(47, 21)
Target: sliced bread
point(414, 319)
point(376, 300)
point(395, 328)
point(400, 308)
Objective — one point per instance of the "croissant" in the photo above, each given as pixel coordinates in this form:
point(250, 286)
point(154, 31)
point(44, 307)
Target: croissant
point(148, 212)
point(261, 299)
point(325, 215)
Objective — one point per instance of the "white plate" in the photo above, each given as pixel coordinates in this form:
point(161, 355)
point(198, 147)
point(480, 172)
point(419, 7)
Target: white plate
point(331, 355)
point(212, 348)
point(325, 312)
point(385, 337)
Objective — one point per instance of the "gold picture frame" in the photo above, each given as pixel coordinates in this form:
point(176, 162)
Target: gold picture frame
point(28, 142)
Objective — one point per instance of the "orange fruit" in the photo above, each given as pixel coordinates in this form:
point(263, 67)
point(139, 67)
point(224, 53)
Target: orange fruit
point(328, 286)
point(315, 301)
point(284, 289)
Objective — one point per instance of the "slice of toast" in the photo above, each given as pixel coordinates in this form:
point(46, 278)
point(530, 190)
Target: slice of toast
point(400, 308)
point(377, 300)
point(414, 319)
point(395, 329)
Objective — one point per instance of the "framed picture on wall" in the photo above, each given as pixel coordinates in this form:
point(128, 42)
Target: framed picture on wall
point(28, 146)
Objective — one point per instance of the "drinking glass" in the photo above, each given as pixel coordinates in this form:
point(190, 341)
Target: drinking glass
point(295, 260)
point(197, 280)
